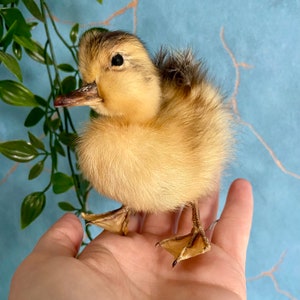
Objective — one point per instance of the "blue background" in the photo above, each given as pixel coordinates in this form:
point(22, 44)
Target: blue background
point(257, 67)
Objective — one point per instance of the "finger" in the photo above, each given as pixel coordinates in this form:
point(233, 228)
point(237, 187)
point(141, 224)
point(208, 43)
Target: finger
point(233, 230)
point(63, 238)
point(136, 222)
point(160, 224)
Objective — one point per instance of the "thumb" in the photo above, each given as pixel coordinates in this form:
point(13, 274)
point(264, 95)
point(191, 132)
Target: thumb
point(63, 238)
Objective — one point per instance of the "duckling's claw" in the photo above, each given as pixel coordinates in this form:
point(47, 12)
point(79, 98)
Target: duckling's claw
point(186, 246)
point(115, 221)
point(189, 245)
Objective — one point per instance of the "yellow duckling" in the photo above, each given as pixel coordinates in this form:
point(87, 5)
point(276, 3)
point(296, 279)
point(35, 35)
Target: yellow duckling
point(163, 136)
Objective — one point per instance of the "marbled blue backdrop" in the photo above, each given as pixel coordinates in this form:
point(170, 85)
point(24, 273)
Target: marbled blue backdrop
point(252, 50)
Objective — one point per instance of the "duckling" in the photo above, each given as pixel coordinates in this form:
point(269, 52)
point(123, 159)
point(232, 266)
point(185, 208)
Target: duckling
point(163, 136)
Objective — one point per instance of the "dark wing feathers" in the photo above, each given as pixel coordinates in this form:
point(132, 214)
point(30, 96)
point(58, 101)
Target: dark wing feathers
point(180, 67)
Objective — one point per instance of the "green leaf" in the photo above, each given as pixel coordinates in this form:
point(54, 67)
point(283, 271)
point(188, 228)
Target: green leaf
point(36, 170)
point(11, 15)
point(68, 139)
point(32, 25)
point(25, 42)
point(15, 93)
point(41, 101)
point(100, 1)
point(61, 182)
point(35, 115)
point(18, 150)
point(9, 35)
point(55, 123)
point(93, 114)
point(59, 148)
point(100, 29)
point(35, 142)
point(33, 49)
point(66, 206)
point(17, 50)
point(34, 9)
point(11, 64)
point(32, 206)
point(66, 68)
point(74, 33)
point(39, 54)
point(46, 127)
point(68, 85)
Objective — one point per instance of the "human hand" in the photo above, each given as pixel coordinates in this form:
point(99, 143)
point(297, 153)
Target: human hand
point(131, 267)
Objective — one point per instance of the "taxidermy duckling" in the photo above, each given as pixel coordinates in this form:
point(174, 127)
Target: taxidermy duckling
point(162, 138)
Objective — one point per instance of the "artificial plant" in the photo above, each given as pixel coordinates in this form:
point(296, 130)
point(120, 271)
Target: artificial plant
point(59, 132)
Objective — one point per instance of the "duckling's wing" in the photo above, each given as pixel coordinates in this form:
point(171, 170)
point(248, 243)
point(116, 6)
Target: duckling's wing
point(180, 68)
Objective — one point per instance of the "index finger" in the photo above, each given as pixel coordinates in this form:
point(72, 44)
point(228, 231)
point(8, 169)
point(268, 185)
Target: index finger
point(233, 229)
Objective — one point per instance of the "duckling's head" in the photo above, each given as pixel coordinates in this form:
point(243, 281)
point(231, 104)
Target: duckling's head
point(119, 77)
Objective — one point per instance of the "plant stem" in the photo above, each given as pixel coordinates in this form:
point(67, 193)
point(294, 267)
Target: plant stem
point(67, 120)
point(66, 112)
point(67, 117)
point(49, 76)
point(59, 35)
point(43, 5)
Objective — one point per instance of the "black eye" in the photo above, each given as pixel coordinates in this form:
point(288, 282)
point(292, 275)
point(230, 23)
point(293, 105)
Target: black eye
point(117, 60)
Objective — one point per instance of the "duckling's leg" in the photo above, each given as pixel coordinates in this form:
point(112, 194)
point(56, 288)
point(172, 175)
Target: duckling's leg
point(189, 245)
point(114, 221)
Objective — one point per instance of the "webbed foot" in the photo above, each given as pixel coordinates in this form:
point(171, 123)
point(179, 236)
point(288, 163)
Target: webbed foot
point(189, 245)
point(114, 221)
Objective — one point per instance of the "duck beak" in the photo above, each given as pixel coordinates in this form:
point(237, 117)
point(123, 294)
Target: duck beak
point(86, 95)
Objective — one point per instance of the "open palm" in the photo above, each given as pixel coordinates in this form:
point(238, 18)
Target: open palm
point(131, 267)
